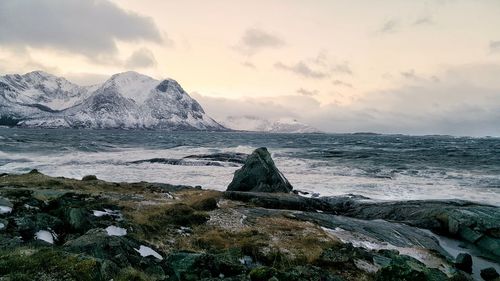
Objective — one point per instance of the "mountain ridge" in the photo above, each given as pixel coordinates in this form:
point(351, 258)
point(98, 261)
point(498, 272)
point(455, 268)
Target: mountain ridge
point(126, 100)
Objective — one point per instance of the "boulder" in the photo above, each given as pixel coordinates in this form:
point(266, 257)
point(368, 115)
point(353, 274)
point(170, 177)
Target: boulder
point(121, 250)
point(89, 178)
point(196, 266)
point(464, 262)
point(490, 274)
point(404, 267)
point(259, 174)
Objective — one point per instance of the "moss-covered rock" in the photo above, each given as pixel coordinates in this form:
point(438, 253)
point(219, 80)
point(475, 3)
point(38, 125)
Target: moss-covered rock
point(48, 264)
point(407, 268)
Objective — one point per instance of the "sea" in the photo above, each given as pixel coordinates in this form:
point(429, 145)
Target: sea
point(381, 167)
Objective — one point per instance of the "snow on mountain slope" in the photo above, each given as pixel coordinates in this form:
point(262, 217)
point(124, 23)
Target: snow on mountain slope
point(125, 100)
point(131, 85)
point(40, 88)
point(256, 124)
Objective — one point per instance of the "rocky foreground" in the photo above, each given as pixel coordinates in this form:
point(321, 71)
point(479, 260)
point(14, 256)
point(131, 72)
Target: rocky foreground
point(66, 229)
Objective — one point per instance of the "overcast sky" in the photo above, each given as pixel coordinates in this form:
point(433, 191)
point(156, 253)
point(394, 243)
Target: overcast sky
point(392, 66)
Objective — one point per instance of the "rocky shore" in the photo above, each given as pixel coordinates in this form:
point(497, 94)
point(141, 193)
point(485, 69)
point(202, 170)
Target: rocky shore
point(260, 229)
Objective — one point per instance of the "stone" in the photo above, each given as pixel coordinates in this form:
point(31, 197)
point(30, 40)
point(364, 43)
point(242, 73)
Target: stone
point(121, 250)
point(259, 174)
point(77, 219)
point(89, 178)
point(464, 262)
point(407, 268)
point(489, 274)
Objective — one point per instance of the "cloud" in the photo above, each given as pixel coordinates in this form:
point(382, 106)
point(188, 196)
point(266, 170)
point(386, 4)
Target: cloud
point(426, 20)
point(305, 92)
point(264, 107)
point(87, 27)
point(249, 65)
point(302, 69)
point(317, 67)
point(465, 102)
point(341, 83)
point(255, 40)
point(389, 26)
point(142, 58)
point(410, 74)
point(495, 46)
point(342, 68)
point(86, 79)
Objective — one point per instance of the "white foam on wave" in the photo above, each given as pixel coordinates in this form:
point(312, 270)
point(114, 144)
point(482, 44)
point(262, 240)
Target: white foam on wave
point(315, 176)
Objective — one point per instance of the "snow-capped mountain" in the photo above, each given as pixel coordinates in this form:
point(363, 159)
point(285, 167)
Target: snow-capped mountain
point(126, 100)
point(256, 124)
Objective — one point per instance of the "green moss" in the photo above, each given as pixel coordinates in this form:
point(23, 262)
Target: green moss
point(31, 263)
point(262, 273)
point(131, 274)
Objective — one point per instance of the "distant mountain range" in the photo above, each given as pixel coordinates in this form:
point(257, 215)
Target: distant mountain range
point(127, 100)
point(256, 124)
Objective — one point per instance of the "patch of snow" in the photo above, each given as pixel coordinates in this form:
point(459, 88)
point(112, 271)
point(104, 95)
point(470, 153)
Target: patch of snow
point(116, 231)
point(5, 210)
point(2, 226)
point(30, 207)
point(107, 212)
point(45, 236)
point(145, 251)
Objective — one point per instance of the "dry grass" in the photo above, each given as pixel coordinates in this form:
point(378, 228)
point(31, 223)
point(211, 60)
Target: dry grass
point(200, 199)
point(276, 241)
point(301, 240)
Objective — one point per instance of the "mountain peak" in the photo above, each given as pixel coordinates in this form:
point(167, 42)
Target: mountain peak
point(126, 100)
point(167, 84)
point(129, 75)
point(40, 74)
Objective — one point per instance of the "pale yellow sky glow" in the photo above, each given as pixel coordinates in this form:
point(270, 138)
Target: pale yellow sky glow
point(345, 57)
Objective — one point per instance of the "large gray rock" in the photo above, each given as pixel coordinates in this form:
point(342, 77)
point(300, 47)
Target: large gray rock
point(259, 174)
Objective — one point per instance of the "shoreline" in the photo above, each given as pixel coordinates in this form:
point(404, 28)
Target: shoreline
point(201, 222)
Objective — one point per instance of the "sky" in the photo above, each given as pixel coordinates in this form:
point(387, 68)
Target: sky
point(392, 66)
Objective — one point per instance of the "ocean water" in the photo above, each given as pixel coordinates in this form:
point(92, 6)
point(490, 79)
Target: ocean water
point(383, 167)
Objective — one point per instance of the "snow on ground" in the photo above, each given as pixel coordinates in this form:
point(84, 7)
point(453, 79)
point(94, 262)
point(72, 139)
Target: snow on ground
point(45, 236)
point(145, 251)
point(5, 210)
point(107, 212)
point(116, 231)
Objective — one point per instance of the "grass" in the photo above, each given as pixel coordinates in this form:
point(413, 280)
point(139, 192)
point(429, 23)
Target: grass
point(275, 241)
point(37, 264)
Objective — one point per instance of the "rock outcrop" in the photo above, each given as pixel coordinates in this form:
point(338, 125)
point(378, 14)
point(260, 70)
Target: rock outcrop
point(66, 229)
point(259, 174)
